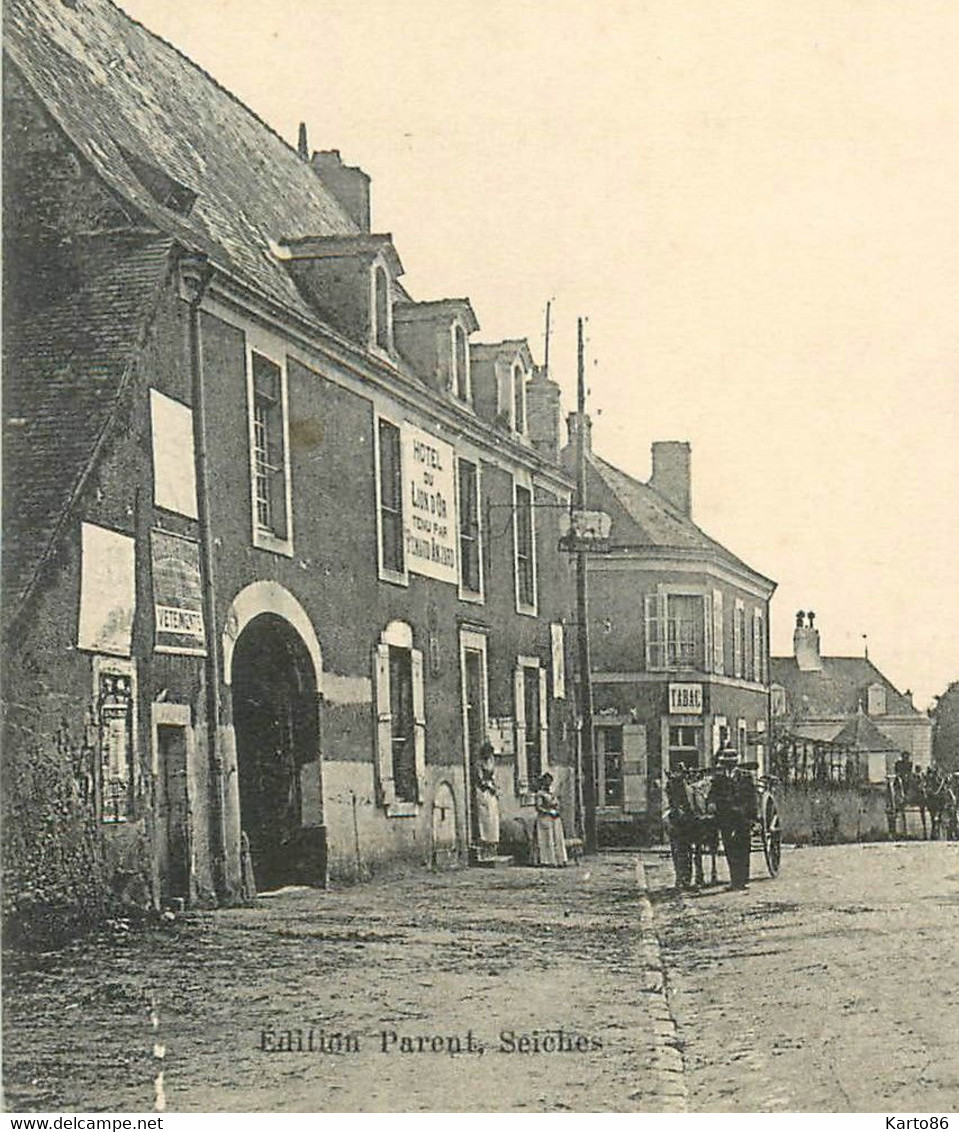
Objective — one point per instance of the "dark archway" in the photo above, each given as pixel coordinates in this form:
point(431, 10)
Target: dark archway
point(277, 743)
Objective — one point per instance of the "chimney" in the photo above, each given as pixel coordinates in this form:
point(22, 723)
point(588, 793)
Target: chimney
point(542, 414)
point(302, 145)
point(573, 427)
point(671, 459)
point(347, 183)
point(806, 643)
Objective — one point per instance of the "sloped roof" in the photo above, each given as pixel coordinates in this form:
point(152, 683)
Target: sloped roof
point(63, 370)
point(837, 690)
point(861, 734)
point(643, 517)
point(117, 89)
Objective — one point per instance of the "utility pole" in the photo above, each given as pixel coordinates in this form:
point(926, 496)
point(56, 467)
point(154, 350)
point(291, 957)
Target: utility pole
point(582, 615)
point(549, 303)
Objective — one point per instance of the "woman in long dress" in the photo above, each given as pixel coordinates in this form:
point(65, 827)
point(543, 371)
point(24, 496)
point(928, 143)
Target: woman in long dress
point(487, 803)
point(549, 841)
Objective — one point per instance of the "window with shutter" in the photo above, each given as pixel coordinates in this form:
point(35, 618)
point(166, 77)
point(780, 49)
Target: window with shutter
point(719, 662)
point(739, 632)
point(655, 625)
point(400, 720)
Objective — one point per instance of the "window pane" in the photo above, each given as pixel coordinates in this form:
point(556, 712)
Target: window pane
point(401, 709)
point(469, 527)
point(391, 507)
point(524, 546)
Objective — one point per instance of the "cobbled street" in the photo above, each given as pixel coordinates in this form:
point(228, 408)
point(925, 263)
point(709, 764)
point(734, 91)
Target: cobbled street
point(834, 987)
point(520, 950)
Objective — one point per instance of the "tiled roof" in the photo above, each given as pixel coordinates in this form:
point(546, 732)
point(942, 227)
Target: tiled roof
point(643, 517)
point(861, 734)
point(63, 369)
point(116, 90)
point(837, 690)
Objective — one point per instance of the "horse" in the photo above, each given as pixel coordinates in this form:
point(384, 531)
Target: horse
point(905, 790)
point(692, 831)
point(940, 799)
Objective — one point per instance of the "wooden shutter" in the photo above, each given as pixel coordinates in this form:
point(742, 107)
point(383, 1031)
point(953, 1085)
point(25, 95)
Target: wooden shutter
point(719, 660)
point(384, 724)
point(543, 721)
point(519, 712)
point(738, 633)
point(707, 662)
point(634, 768)
point(419, 720)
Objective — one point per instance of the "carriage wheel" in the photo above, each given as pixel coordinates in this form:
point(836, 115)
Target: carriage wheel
point(771, 834)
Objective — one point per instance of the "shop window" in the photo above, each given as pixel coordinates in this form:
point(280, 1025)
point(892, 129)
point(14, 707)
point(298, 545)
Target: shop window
point(685, 746)
point(471, 572)
point(401, 721)
point(269, 456)
point(390, 498)
point(609, 751)
point(525, 549)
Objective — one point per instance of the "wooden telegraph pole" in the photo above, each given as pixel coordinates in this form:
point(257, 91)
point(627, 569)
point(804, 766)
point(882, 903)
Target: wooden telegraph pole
point(582, 615)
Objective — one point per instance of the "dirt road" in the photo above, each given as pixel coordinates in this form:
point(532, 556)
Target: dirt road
point(833, 988)
point(499, 961)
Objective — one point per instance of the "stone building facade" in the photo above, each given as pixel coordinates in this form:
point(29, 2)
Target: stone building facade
point(679, 630)
point(281, 540)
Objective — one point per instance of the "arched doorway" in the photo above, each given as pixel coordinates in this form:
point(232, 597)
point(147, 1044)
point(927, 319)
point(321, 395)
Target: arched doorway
point(277, 744)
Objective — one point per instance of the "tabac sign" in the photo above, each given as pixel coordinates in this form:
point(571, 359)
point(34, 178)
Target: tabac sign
point(685, 699)
point(430, 530)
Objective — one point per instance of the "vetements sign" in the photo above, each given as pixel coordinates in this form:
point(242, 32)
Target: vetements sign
point(177, 595)
point(430, 528)
point(685, 699)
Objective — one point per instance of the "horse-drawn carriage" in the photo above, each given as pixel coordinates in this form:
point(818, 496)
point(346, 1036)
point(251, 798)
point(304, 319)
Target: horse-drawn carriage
point(694, 830)
point(911, 792)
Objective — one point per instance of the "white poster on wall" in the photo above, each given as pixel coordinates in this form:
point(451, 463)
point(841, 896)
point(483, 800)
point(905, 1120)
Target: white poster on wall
point(107, 591)
point(430, 528)
point(174, 467)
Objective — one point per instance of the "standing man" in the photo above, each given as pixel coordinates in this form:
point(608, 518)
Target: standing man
point(732, 801)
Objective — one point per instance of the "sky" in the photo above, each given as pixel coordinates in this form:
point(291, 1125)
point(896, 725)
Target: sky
point(755, 205)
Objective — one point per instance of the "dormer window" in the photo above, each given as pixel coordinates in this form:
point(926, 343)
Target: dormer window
point(461, 380)
point(382, 335)
point(519, 398)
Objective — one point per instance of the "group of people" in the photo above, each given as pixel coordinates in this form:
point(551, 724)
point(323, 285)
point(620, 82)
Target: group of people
point(548, 842)
point(727, 808)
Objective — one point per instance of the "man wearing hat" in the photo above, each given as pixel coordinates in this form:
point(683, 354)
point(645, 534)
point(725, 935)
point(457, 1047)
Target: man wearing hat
point(732, 801)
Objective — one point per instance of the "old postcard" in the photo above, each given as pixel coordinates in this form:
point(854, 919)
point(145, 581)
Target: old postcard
point(480, 557)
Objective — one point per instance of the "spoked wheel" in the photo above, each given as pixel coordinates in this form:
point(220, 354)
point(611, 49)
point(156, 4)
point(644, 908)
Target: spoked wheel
point(771, 834)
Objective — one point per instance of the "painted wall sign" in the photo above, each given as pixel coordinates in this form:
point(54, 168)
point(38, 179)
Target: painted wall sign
point(177, 595)
point(685, 699)
point(430, 528)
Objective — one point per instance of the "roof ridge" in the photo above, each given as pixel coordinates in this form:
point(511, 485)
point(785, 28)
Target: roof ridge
point(206, 74)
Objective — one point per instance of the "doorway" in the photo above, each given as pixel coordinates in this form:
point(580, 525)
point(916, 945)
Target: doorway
point(473, 669)
point(275, 719)
point(172, 756)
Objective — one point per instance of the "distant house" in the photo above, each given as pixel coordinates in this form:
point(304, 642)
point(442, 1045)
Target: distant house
point(679, 630)
point(846, 701)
